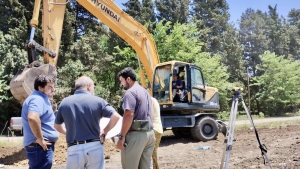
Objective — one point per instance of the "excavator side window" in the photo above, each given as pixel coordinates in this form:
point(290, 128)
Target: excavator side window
point(196, 78)
point(161, 85)
point(198, 88)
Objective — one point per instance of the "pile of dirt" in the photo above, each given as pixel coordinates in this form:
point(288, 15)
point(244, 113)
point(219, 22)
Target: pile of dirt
point(16, 155)
point(13, 155)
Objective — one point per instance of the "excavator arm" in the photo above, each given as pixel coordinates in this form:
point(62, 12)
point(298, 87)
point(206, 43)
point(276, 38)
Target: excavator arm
point(135, 34)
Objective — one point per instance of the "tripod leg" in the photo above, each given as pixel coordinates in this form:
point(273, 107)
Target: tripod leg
point(230, 135)
point(229, 127)
point(228, 131)
point(261, 146)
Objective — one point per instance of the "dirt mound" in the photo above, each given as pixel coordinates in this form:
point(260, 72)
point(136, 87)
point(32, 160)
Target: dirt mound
point(13, 155)
point(16, 155)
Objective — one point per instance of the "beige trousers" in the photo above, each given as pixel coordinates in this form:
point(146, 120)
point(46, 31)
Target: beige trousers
point(139, 149)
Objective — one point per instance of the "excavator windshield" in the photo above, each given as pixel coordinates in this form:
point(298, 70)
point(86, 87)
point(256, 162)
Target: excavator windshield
point(161, 85)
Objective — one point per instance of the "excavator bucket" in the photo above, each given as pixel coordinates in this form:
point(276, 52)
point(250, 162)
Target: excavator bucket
point(22, 84)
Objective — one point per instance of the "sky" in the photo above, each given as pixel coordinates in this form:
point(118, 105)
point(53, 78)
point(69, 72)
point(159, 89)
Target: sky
point(237, 7)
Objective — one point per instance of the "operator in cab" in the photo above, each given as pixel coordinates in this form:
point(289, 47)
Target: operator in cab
point(176, 86)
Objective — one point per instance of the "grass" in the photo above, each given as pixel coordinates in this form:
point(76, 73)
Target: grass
point(292, 114)
point(10, 141)
point(245, 117)
point(269, 125)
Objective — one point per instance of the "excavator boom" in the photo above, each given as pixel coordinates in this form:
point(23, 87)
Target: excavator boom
point(107, 12)
point(128, 29)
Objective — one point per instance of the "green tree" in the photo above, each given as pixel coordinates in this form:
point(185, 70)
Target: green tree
point(90, 51)
point(294, 46)
point(133, 8)
point(67, 75)
point(181, 44)
point(215, 75)
point(278, 85)
point(84, 21)
point(211, 16)
point(148, 14)
point(253, 37)
point(232, 55)
point(172, 10)
point(294, 17)
point(277, 33)
point(3, 86)
point(142, 12)
point(12, 59)
point(13, 12)
point(69, 34)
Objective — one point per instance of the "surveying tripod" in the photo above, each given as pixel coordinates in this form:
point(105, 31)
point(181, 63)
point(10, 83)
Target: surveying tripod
point(230, 132)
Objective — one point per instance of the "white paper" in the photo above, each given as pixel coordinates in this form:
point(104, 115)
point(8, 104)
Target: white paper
point(114, 131)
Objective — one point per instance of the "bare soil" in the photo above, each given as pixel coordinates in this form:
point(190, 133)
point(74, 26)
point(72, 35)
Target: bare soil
point(283, 150)
point(15, 156)
point(283, 145)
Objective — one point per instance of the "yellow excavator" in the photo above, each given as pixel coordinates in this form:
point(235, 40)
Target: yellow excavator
point(187, 111)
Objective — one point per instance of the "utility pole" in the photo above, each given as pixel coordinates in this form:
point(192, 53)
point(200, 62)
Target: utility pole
point(248, 87)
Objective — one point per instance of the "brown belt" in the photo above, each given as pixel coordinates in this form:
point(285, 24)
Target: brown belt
point(37, 144)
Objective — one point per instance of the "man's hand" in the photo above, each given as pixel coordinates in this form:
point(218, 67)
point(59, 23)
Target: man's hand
point(102, 136)
point(43, 143)
point(120, 144)
point(60, 128)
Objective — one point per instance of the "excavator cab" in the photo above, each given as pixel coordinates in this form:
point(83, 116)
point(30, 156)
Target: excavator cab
point(187, 109)
point(194, 93)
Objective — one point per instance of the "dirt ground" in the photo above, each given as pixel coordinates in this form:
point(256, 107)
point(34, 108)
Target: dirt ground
point(177, 153)
point(15, 156)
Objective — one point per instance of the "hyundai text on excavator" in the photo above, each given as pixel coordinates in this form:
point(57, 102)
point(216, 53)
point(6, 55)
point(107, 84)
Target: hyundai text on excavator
point(189, 115)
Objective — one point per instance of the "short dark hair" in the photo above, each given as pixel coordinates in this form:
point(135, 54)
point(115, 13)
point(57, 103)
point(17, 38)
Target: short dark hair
point(127, 72)
point(42, 80)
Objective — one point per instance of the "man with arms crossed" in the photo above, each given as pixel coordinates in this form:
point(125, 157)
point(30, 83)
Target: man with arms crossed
point(81, 114)
point(38, 124)
point(137, 105)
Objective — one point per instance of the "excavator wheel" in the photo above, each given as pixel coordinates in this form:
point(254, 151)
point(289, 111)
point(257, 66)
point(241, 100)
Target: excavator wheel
point(22, 84)
point(205, 129)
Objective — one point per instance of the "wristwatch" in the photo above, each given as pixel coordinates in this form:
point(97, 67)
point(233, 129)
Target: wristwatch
point(120, 137)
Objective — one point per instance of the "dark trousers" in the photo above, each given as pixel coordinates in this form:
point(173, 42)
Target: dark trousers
point(38, 158)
